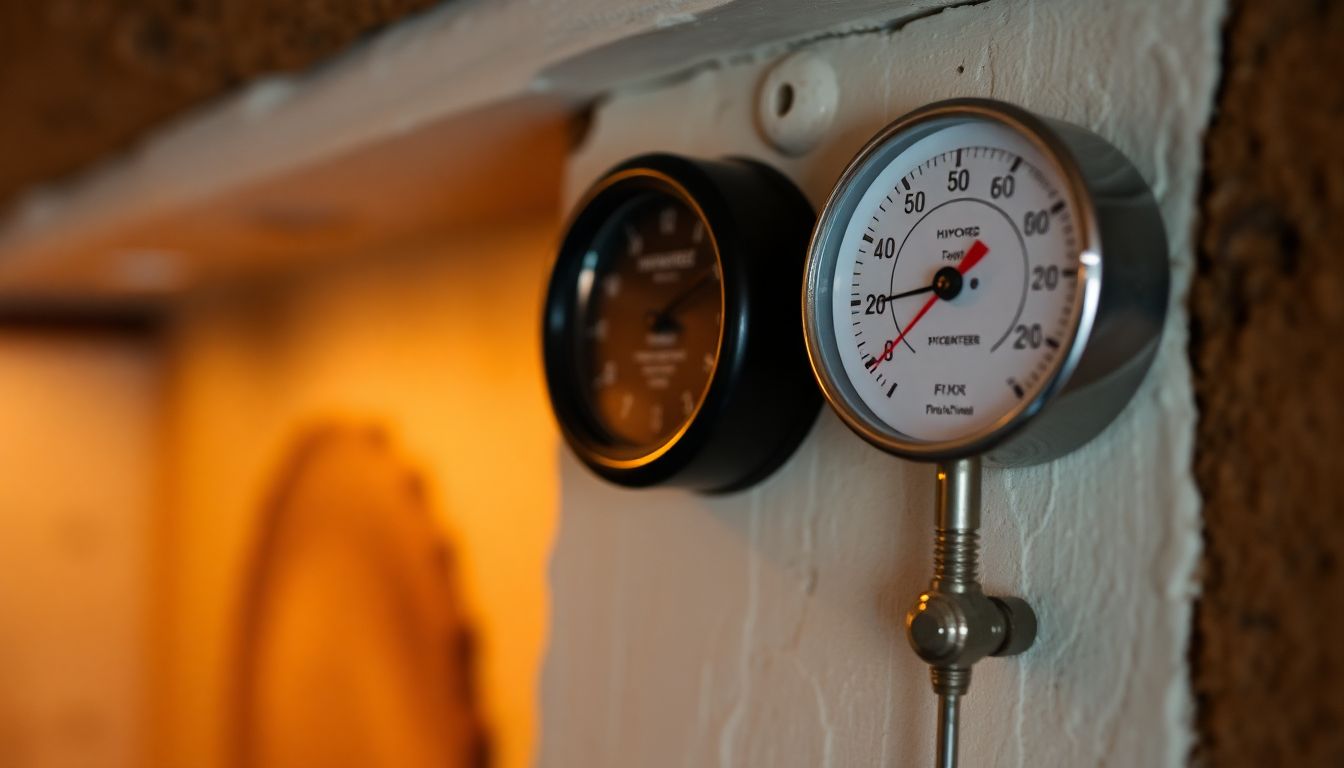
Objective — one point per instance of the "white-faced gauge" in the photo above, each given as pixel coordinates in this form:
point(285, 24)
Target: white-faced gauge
point(984, 281)
point(668, 351)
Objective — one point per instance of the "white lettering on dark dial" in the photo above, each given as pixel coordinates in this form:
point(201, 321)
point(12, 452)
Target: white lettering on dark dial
point(652, 333)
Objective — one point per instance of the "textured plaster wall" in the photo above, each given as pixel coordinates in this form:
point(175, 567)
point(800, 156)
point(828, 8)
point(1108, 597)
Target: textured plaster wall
point(80, 80)
point(1267, 309)
point(764, 628)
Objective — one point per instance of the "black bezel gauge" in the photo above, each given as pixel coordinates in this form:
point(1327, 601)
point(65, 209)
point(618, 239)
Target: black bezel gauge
point(670, 333)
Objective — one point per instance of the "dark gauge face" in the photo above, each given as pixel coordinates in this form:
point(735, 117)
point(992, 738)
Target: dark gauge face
point(666, 337)
point(649, 309)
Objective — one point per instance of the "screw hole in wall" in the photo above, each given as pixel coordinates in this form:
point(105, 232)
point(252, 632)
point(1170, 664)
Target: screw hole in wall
point(797, 102)
point(783, 99)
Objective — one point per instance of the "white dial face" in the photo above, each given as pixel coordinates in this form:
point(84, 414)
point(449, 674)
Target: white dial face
point(957, 282)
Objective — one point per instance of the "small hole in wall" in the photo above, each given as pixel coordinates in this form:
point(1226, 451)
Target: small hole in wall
point(796, 102)
point(960, 69)
point(783, 99)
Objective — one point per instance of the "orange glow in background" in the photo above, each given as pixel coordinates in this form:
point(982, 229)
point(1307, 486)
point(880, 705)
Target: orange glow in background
point(135, 474)
point(440, 350)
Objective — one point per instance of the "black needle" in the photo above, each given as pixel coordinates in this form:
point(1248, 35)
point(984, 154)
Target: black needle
point(663, 317)
point(914, 292)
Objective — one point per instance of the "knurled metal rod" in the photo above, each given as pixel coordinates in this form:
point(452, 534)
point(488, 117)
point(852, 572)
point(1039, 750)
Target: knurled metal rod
point(957, 515)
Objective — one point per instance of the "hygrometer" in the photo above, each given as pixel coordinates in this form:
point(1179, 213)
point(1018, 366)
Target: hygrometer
point(671, 350)
point(982, 283)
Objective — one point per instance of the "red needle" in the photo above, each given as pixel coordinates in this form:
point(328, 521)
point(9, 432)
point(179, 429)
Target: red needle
point(973, 256)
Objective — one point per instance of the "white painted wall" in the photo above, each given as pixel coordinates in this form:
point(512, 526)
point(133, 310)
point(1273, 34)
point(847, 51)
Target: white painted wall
point(764, 628)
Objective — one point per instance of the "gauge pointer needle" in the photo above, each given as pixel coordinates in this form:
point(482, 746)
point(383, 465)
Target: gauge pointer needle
point(907, 294)
point(663, 317)
point(973, 256)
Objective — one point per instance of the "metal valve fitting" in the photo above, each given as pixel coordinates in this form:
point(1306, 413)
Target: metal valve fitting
point(954, 623)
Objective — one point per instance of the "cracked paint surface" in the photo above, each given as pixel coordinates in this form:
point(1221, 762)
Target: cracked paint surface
point(765, 628)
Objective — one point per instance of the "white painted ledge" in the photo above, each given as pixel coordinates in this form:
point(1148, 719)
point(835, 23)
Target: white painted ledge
point(301, 167)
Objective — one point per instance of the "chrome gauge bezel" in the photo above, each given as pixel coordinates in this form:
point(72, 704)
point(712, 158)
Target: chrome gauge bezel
point(824, 252)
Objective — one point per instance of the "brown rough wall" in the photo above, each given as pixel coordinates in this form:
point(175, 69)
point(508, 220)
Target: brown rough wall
point(82, 78)
point(1267, 312)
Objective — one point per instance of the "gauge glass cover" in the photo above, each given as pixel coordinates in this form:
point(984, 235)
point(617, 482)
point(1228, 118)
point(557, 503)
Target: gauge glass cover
point(649, 307)
point(958, 279)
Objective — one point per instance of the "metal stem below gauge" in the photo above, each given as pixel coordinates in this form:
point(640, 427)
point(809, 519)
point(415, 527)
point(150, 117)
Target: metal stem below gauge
point(954, 624)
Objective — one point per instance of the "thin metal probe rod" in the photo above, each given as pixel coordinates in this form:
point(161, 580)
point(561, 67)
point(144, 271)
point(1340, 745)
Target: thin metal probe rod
point(956, 562)
point(949, 706)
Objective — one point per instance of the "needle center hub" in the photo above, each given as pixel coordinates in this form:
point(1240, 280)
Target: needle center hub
point(947, 283)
